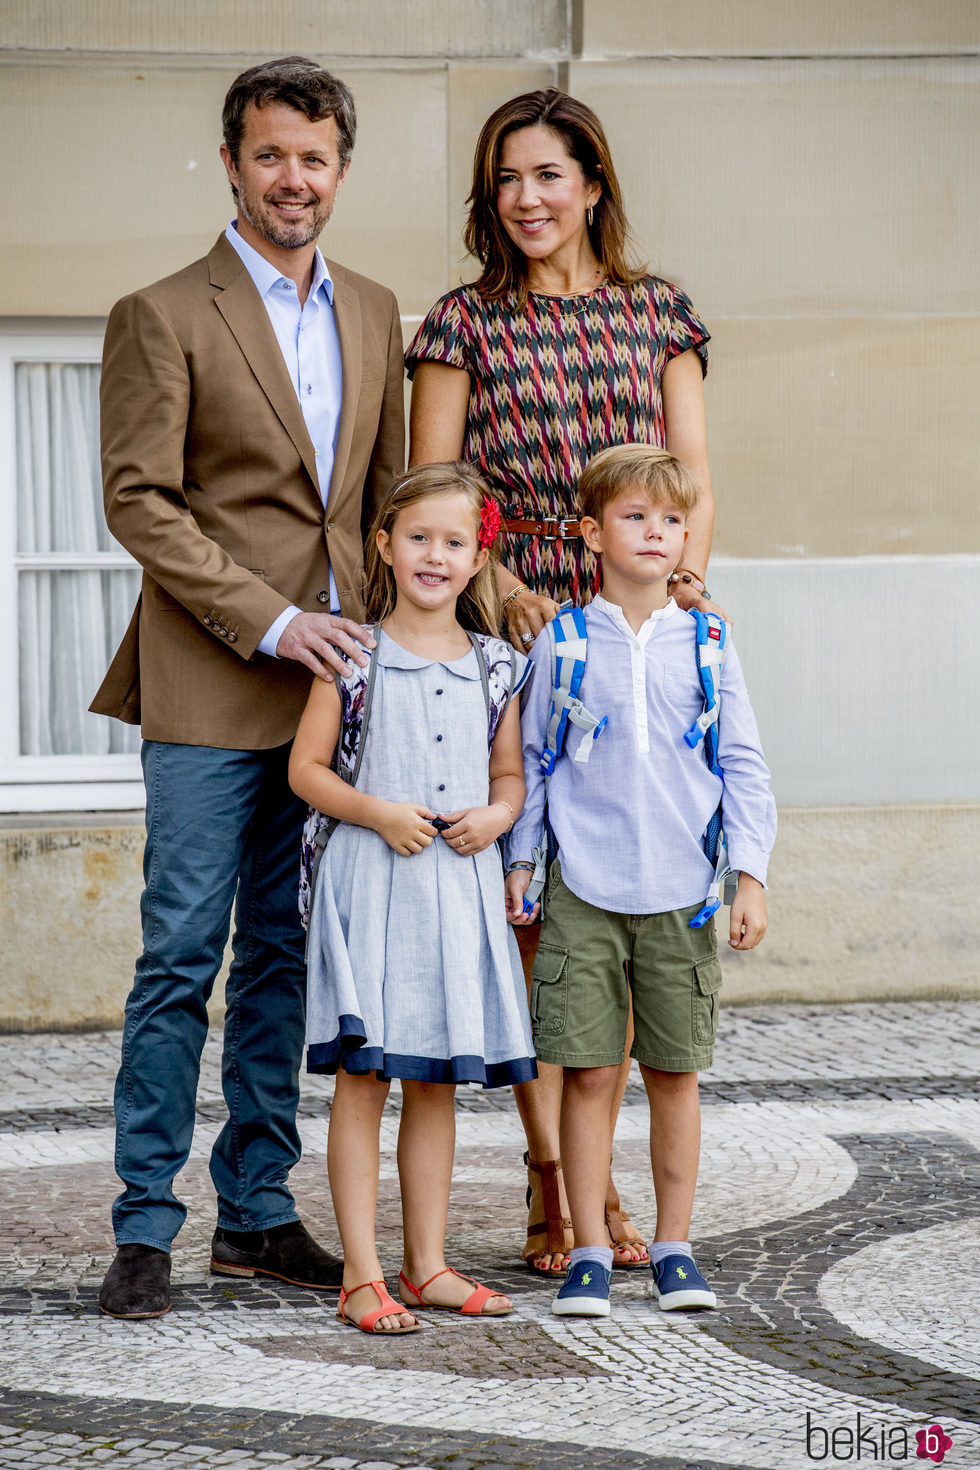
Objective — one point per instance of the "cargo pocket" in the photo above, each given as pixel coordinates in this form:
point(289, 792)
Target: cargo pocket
point(707, 983)
point(549, 990)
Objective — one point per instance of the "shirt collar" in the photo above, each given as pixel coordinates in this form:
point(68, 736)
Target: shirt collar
point(264, 273)
point(392, 655)
point(614, 612)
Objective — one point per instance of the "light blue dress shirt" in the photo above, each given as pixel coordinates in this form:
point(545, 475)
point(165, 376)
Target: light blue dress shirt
point(629, 822)
point(307, 337)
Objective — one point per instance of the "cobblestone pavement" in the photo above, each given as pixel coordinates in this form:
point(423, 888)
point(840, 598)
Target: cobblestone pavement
point(837, 1219)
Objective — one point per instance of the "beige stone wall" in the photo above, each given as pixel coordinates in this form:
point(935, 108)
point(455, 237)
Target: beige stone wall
point(847, 919)
point(808, 174)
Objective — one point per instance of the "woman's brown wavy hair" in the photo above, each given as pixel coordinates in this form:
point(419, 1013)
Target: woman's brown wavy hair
point(504, 264)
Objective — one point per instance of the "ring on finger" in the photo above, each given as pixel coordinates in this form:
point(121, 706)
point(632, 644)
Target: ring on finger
point(461, 842)
point(527, 637)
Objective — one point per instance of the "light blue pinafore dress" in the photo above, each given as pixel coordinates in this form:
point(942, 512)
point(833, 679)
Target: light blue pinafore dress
point(414, 971)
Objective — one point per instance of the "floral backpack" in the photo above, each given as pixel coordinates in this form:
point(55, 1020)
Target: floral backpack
point(498, 671)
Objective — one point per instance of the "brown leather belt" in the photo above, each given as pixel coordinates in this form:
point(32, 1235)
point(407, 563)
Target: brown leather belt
point(551, 530)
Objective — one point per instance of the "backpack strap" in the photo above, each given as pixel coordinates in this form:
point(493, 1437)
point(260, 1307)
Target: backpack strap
point(482, 664)
point(569, 642)
point(319, 827)
point(372, 678)
point(711, 641)
point(711, 645)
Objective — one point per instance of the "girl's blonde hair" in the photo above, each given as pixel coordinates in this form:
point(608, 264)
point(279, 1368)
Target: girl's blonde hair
point(478, 607)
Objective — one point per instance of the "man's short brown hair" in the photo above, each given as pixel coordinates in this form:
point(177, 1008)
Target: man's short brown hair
point(637, 467)
point(291, 81)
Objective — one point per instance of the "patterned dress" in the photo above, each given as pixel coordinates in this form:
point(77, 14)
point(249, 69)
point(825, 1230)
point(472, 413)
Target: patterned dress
point(552, 385)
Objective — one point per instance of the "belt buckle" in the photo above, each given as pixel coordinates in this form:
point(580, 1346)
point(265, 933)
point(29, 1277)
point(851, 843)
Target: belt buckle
point(557, 534)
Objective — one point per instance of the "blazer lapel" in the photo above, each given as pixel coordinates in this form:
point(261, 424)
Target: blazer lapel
point(248, 320)
point(347, 314)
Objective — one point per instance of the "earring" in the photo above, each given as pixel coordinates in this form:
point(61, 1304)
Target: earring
point(588, 215)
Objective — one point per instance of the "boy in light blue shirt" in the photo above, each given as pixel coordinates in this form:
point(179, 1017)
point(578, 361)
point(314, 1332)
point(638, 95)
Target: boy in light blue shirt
point(630, 871)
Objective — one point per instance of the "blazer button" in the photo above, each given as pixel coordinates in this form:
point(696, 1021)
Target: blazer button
point(323, 596)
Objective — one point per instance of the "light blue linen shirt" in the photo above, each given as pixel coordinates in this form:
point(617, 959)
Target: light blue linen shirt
point(307, 337)
point(629, 821)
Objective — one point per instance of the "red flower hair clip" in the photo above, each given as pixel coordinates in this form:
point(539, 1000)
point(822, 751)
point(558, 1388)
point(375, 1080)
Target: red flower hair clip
point(489, 521)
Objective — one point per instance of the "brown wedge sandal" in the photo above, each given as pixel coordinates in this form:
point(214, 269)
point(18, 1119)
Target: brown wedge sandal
point(551, 1236)
point(622, 1231)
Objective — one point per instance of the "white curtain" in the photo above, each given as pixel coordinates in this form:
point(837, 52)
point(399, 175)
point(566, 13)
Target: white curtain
point(70, 621)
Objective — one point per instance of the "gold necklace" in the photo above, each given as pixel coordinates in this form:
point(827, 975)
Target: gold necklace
point(576, 300)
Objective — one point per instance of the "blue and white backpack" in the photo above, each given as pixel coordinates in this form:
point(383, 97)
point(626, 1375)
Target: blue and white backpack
point(498, 674)
point(568, 637)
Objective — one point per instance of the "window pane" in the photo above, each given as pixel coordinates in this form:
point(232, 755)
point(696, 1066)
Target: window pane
point(59, 482)
point(70, 626)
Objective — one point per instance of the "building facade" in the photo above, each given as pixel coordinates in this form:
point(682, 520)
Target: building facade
point(806, 174)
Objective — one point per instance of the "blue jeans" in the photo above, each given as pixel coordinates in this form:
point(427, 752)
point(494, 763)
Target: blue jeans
point(223, 829)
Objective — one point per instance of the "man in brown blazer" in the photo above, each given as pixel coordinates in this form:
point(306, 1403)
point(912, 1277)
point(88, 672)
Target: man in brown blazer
point(252, 419)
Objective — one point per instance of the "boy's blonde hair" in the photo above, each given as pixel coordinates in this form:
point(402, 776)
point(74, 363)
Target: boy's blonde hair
point(478, 606)
point(625, 467)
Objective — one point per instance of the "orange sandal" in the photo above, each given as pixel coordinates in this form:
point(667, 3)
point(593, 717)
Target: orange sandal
point(473, 1305)
point(388, 1308)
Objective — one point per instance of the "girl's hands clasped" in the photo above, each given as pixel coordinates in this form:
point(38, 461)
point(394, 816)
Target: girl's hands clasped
point(405, 827)
point(476, 828)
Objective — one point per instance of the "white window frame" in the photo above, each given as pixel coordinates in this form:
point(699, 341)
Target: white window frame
point(47, 783)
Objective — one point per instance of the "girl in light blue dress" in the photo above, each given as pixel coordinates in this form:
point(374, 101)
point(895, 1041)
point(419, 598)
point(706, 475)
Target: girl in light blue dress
point(413, 970)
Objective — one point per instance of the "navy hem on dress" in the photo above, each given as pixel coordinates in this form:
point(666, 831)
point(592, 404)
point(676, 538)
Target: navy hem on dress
point(348, 1050)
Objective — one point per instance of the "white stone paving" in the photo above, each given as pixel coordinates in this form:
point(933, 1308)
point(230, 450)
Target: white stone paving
point(667, 1386)
point(878, 1293)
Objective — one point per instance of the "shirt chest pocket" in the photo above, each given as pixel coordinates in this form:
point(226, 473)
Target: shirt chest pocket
point(683, 695)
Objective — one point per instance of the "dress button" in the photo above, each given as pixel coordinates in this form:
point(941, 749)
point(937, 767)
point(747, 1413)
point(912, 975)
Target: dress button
point(232, 637)
point(438, 691)
point(441, 788)
point(438, 737)
point(207, 622)
point(323, 596)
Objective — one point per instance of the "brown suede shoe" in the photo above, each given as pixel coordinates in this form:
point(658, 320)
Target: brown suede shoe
point(137, 1284)
point(287, 1252)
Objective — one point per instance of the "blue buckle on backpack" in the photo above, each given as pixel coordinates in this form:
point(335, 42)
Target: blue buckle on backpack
point(703, 915)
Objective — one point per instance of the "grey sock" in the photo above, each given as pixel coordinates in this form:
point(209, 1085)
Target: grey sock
point(601, 1254)
point(661, 1248)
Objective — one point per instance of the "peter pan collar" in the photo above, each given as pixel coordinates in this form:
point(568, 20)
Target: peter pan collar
point(392, 655)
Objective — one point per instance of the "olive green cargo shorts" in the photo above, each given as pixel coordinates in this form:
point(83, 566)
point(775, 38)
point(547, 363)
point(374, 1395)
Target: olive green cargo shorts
point(589, 961)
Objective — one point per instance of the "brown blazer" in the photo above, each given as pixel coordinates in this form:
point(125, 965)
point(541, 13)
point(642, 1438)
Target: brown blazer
point(211, 483)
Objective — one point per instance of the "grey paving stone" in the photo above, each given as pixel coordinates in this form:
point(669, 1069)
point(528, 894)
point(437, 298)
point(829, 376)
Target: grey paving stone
point(904, 1077)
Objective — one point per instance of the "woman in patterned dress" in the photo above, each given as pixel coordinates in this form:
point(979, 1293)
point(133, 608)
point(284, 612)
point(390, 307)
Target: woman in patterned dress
point(562, 348)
